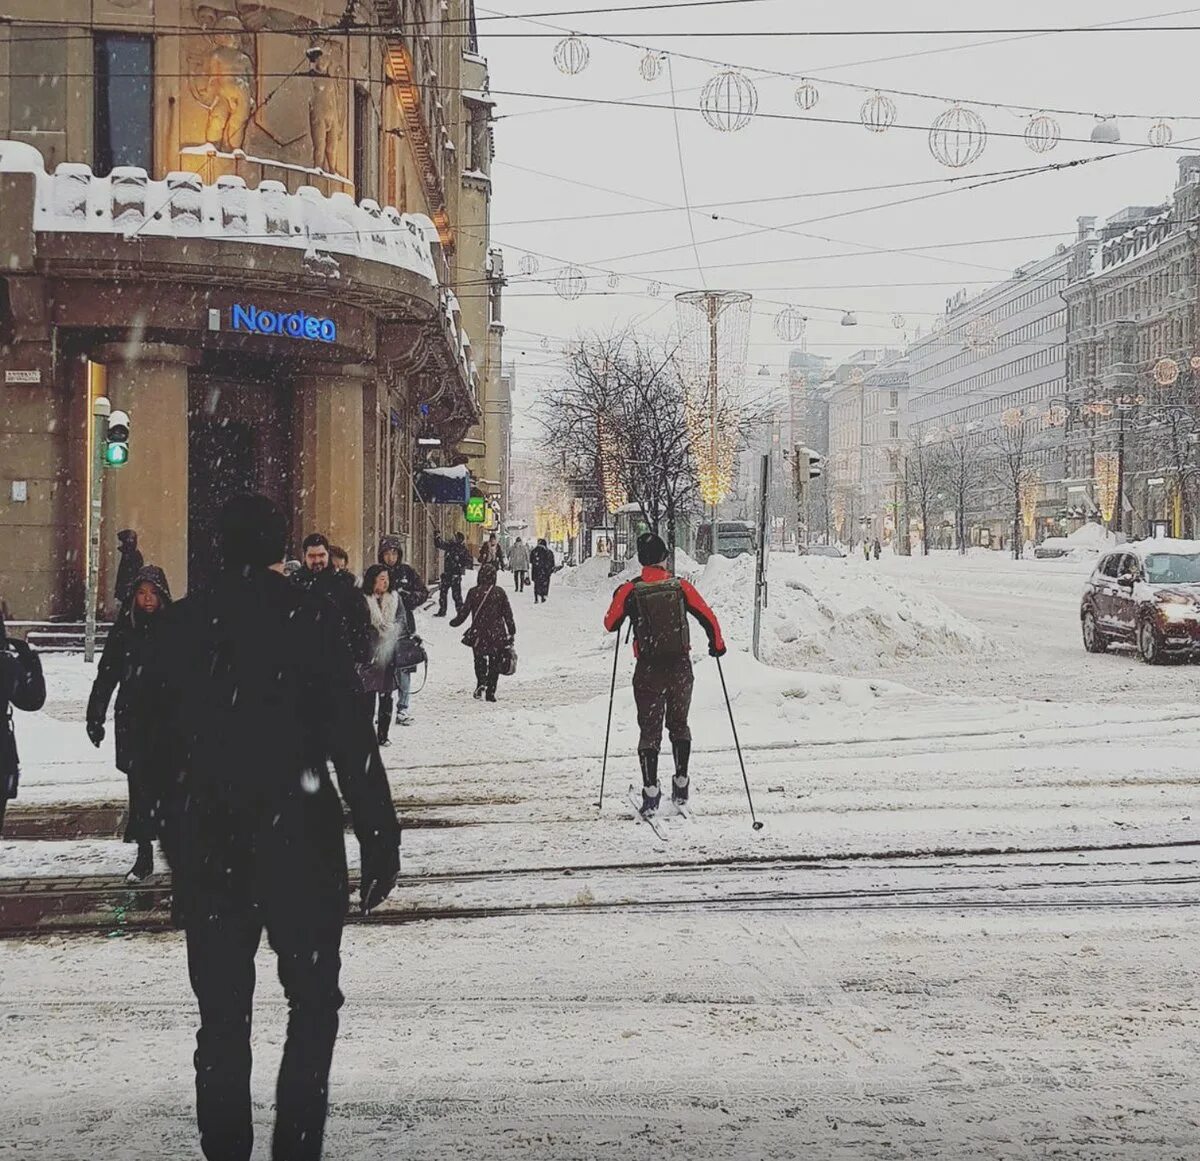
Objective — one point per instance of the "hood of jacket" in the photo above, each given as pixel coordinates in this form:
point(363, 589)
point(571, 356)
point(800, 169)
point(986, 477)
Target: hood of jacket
point(392, 542)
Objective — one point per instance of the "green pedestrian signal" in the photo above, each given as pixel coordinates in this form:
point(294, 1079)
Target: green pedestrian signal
point(116, 440)
point(115, 455)
point(476, 510)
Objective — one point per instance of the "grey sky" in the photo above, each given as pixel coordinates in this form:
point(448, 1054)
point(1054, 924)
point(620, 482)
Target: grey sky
point(634, 151)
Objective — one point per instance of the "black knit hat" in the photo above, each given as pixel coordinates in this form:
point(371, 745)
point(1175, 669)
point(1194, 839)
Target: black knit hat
point(651, 549)
point(252, 531)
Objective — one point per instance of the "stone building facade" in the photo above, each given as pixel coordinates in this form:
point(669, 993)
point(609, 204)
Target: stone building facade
point(259, 227)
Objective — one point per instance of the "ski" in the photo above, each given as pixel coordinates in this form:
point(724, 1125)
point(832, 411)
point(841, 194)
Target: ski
point(635, 801)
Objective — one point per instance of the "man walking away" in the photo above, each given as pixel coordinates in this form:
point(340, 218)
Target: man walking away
point(257, 694)
point(658, 605)
point(518, 561)
point(541, 565)
point(130, 565)
point(23, 686)
point(455, 555)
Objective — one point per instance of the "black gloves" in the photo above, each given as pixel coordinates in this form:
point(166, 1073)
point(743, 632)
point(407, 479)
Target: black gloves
point(95, 733)
point(713, 651)
point(380, 869)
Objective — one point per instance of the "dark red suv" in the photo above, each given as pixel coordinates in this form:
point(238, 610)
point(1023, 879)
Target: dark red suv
point(1146, 595)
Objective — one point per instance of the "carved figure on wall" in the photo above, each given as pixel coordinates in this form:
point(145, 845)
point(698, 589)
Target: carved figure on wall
point(224, 84)
point(324, 110)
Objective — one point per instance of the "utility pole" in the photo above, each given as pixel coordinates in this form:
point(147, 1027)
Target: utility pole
point(760, 573)
point(100, 412)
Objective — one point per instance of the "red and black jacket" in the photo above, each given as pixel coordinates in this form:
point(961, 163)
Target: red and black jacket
point(624, 606)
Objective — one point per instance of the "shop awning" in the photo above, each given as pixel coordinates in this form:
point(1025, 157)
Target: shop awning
point(444, 485)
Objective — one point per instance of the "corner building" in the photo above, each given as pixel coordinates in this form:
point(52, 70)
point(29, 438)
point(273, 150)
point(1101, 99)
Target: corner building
point(238, 220)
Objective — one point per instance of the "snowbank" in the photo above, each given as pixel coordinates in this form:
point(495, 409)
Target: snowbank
point(822, 610)
point(593, 573)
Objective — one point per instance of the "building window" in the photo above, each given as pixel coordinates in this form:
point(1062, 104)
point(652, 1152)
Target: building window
point(894, 400)
point(894, 430)
point(362, 144)
point(123, 100)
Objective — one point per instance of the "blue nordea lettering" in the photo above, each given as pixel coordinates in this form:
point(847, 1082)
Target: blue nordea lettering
point(312, 328)
point(295, 324)
point(243, 317)
point(328, 332)
point(268, 322)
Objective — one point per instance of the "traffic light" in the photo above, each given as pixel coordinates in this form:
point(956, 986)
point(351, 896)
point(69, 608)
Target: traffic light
point(811, 462)
point(116, 440)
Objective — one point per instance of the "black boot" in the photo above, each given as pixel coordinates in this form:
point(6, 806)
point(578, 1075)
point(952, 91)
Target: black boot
point(381, 734)
point(143, 866)
point(650, 790)
point(679, 784)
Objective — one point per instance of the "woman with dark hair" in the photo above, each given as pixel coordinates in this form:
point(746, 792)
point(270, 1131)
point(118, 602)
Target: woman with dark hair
point(23, 686)
point(492, 630)
point(122, 665)
point(378, 670)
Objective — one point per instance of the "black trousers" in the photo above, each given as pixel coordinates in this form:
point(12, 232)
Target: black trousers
point(519, 578)
point(663, 689)
point(221, 966)
point(541, 588)
point(450, 584)
point(487, 670)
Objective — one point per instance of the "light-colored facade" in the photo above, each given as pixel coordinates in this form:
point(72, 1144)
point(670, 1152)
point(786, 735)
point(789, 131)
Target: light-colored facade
point(260, 228)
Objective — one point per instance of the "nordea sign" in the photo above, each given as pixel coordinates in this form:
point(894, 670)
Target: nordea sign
point(292, 324)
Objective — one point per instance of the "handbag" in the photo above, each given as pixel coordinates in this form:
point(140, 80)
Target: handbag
point(410, 653)
point(472, 634)
point(508, 661)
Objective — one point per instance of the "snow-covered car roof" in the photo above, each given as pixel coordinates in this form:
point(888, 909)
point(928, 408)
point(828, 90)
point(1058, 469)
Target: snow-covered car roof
point(1163, 546)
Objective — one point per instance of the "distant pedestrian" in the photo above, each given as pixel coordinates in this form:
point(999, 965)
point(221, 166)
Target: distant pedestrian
point(876, 549)
point(256, 694)
point(541, 566)
point(21, 686)
point(122, 669)
point(378, 671)
point(339, 558)
point(518, 561)
point(866, 550)
point(455, 558)
point(412, 593)
point(129, 566)
point(490, 552)
point(492, 630)
point(658, 605)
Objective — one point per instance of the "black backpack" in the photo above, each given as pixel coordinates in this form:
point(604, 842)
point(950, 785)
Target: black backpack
point(661, 625)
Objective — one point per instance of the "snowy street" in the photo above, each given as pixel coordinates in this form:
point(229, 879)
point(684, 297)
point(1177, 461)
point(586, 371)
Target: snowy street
point(966, 930)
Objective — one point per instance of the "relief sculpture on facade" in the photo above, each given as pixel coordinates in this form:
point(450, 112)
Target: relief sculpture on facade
point(222, 79)
point(324, 112)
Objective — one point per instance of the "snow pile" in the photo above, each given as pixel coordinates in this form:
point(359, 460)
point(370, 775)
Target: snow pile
point(1092, 535)
point(822, 610)
point(593, 573)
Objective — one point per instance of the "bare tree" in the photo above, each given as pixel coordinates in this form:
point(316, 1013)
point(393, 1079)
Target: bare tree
point(962, 462)
point(1011, 463)
point(923, 476)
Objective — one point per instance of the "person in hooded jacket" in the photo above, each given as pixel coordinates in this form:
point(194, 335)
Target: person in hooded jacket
point(541, 565)
point(456, 559)
point(130, 565)
point(22, 686)
point(413, 593)
point(492, 630)
point(122, 669)
point(518, 561)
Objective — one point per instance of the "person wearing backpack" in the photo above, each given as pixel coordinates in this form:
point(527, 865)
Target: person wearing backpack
point(658, 604)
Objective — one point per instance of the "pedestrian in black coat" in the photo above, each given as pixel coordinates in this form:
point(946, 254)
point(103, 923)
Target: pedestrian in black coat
point(256, 695)
point(130, 564)
point(337, 586)
point(402, 580)
point(541, 567)
point(456, 559)
point(492, 630)
point(122, 669)
point(21, 686)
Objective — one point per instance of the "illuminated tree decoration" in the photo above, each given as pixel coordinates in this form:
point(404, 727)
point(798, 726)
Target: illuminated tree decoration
point(1161, 134)
point(790, 324)
point(570, 283)
point(571, 55)
point(1166, 372)
point(1042, 133)
point(529, 264)
point(1194, 362)
point(878, 113)
point(1056, 415)
point(957, 137)
point(615, 494)
point(1107, 468)
point(651, 66)
point(899, 321)
point(729, 101)
point(1029, 493)
point(807, 95)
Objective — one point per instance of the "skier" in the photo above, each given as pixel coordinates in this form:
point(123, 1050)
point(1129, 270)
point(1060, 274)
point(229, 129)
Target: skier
point(21, 685)
point(541, 566)
point(492, 630)
point(657, 604)
point(455, 556)
point(412, 593)
point(130, 565)
point(122, 669)
point(378, 671)
point(255, 693)
point(518, 561)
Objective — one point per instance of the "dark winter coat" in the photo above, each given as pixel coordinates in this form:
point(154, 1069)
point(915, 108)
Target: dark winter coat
point(122, 668)
point(21, 686)
point(404, 581)
point(541, 563)
point(130, 565)
point(256, 694)
point(490, 553)
point(343, 592)
point(491, 616)
point(456, 556)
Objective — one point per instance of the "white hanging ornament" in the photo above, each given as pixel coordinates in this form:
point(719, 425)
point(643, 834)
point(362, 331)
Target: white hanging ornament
point(651, 66)
point(807, 95)
point(878, 113)
point(1161, 134)
point(571, 55)
point(655, 289)
point(728, 101)
point(790, 324)
point(899, 322)
point(529, 264)
point(1106, 131)
point(1166, 372)
point(1042, 133)
point(614, 280)
point(957, 137)
point(545, 343)
point(570, 283)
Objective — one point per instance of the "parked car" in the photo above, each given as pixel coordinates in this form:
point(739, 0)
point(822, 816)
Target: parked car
point(1147, 595)
point(821, 550)
point(1052, 548)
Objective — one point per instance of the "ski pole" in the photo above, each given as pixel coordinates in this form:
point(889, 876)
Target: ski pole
point(612, 693)
point(756, 824)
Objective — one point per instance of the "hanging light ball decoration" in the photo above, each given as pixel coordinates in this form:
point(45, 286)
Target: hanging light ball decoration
point(545, 343)
point(807, 95)
point(878, 113)
point(849, 319)
point(790, 324)
point(1161, 134)
point(1166, 372)
point(614, 280)
point(655, 289)
point(1042, 133)
point(651, 65)
point(1106, 131)
point(529, 264)
point(570, 283)
point(899, 321)
point(571, 55)
point(957, 137)
point(729, 101)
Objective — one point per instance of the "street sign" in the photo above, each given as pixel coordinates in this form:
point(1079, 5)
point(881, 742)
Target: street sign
point(476, 510)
